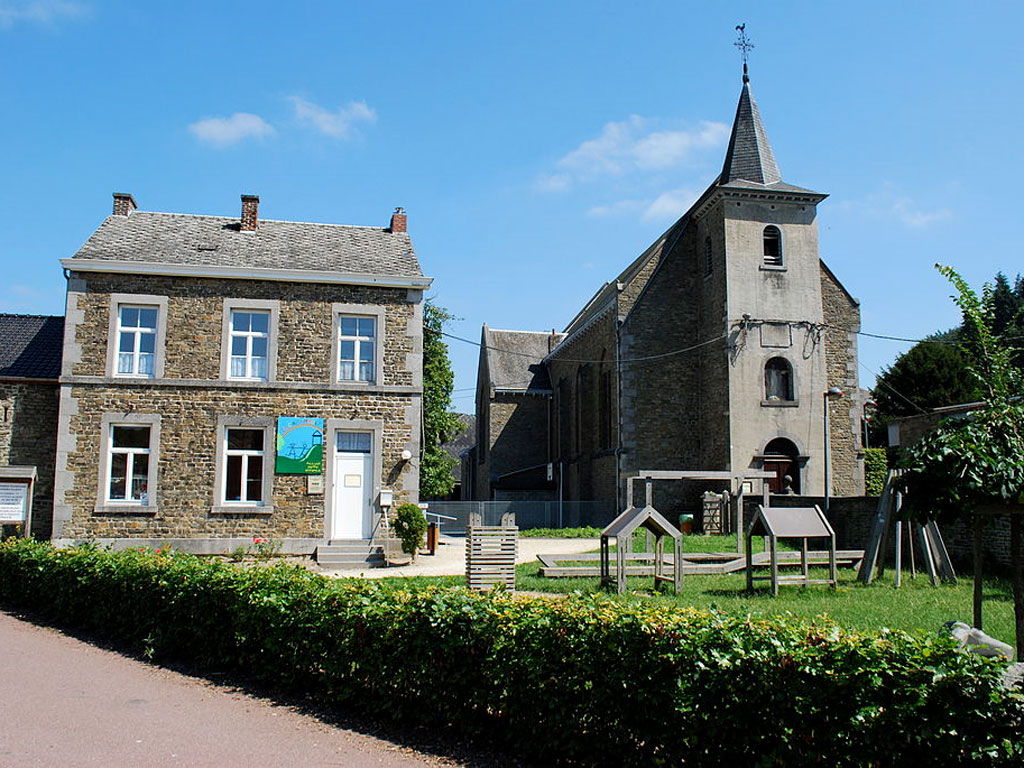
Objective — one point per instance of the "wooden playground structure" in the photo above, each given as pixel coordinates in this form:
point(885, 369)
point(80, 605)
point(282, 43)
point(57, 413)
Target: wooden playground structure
point(658, 563)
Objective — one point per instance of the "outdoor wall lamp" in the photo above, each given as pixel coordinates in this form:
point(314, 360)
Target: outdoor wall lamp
point(406, 454)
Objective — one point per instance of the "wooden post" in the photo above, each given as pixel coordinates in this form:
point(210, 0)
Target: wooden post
point(899, 554)
point(926, 553)
point(803, 558)
point(1018, 579)
point(832, 561)
point(979, 554)
point(775, 565)
point(750, 560)
point(910, 550)
point(740, 532)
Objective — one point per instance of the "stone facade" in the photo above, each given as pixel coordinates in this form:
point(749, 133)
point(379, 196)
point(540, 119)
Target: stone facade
point(192, 400)
point(687, 338)
point(28, 437)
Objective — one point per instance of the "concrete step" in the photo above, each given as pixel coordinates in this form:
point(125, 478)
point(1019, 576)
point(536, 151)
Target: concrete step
point(350, 554)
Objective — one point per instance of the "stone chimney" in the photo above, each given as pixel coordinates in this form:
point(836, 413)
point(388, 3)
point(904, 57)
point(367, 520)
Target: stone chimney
point(250, 213)
point(398, 220)
point(124, 204)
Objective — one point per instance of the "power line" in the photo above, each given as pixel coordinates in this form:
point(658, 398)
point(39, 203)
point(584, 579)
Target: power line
point(878, 380)
point(570, 360)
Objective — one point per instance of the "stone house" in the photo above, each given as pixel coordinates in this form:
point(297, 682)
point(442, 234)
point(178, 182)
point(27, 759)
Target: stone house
point(231, 378)
point(712, 350)
point(30, 360)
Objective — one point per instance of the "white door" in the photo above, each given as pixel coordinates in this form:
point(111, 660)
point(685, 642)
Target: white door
point(352, 516)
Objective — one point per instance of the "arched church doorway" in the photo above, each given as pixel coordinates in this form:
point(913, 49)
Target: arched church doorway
point(781, 457)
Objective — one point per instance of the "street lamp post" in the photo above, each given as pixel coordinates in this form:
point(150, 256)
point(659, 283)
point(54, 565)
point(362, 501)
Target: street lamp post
point(831, 394)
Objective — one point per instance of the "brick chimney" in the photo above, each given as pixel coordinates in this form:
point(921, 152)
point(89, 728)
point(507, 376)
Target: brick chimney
point(124, 204)
point(398, 220)
point(250, 213)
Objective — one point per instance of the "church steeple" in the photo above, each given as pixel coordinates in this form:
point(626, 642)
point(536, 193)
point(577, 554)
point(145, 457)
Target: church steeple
point(750, 156)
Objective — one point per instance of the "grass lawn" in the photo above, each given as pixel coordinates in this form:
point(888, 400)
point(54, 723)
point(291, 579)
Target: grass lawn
point(916, 606)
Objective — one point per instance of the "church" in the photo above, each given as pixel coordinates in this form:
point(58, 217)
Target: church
point(726, 345)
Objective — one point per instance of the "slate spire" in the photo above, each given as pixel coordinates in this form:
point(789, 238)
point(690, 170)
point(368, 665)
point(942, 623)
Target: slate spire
point(750, 156)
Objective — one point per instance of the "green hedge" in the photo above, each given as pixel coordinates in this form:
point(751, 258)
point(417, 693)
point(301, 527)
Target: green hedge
point(876, 467)
point(592, 680)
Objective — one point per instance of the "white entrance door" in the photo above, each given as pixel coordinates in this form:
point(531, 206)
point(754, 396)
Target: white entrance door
point(352, 516)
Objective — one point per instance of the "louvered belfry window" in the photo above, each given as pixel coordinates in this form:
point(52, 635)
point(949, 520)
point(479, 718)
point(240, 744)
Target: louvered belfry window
point(772, 246)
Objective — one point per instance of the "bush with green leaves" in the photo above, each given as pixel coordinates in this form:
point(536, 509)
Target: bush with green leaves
point(410, 526)
point(590, 680)
point(876, 467)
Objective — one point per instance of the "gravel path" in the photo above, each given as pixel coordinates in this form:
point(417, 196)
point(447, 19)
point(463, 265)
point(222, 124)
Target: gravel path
point(66, 703)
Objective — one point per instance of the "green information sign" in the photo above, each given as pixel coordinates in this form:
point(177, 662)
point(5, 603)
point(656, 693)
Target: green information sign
point(300, 446)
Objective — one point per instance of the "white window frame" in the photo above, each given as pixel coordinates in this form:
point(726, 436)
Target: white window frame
point(119, 301)
point(376, 313)
point(263, 506)
point(250, 305)
point(107, 452)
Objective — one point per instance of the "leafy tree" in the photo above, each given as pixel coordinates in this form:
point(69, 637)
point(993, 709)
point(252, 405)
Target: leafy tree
point(929, 375)
point(976, 464)
point(439, 424)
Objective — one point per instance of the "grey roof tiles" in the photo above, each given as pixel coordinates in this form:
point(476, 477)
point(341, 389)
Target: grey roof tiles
point(216, 241)
point(31, 346)
point(750, 156)
point(514, 359)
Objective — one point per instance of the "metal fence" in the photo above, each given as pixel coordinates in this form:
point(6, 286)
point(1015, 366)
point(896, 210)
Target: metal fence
point(454, 515)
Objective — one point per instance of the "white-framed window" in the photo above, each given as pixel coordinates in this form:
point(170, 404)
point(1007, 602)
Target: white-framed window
point(772, 241)
point(128, 464)
point(244, 480)
point(136, 340)
point(357, 348)
point(249, 338)
point(243, 465)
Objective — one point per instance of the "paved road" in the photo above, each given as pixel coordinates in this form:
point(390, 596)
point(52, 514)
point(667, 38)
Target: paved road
point(66, 703)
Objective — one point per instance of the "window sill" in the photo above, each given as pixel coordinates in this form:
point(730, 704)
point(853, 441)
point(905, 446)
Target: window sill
point(242, 510)
point(110, 508)
point(772, 268)
point(780, 403)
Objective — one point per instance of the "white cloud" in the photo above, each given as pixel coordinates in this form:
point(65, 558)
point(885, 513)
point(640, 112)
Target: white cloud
point(636, 144)
point(621, 208)
point(38, 11)
point(670, 205)
point(339, 123)
point(891, 203)
point(906, 211)
point(665, 207)
point(224, 131)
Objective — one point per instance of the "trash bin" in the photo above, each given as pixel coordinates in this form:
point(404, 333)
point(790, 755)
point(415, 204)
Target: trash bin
point(686, 523)
point(432, 531)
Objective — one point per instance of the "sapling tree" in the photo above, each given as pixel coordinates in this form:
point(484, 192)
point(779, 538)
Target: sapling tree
point(975, 465)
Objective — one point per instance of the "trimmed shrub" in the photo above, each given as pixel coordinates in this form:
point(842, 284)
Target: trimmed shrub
point(876, 467)
point(409, 526)
point(592, 680)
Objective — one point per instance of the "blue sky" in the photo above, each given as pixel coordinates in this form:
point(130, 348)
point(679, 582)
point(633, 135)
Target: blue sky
point(537, 146)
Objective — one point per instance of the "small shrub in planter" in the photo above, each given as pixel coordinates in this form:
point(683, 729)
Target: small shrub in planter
point(410, 526)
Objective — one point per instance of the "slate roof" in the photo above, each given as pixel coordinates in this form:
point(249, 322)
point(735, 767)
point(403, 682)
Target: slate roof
point(175, 238)
point(514, 359)
point(465, 439)
point(31, 346)
point(750, 156)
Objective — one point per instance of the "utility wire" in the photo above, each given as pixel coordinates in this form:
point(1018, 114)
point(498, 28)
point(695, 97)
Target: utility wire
point(570, 360)
point(879, 380)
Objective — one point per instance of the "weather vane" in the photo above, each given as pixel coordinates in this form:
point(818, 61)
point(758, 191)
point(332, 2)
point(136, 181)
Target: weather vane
point(745, 47)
